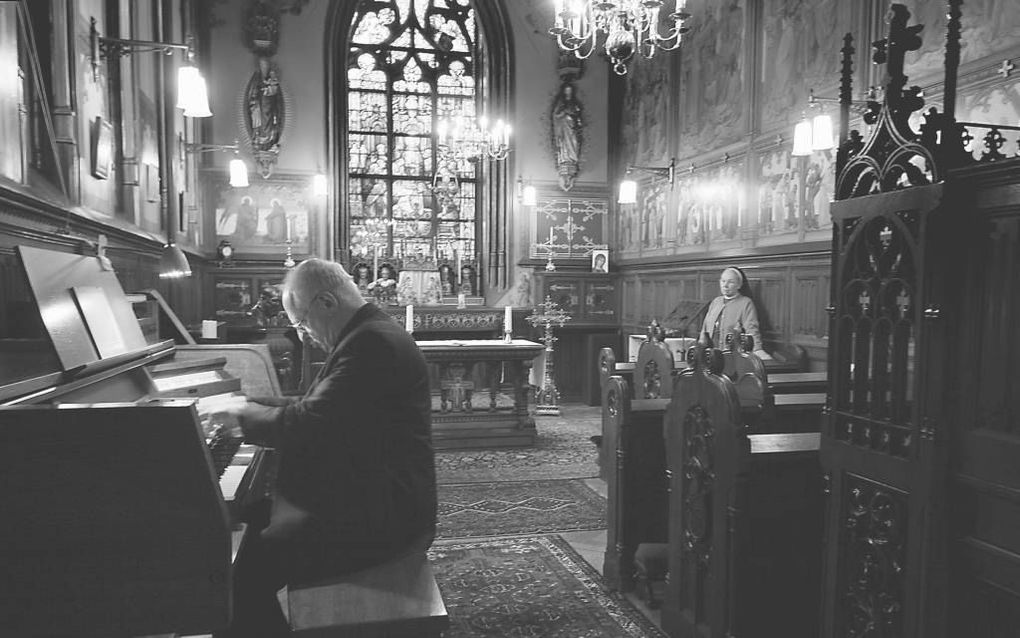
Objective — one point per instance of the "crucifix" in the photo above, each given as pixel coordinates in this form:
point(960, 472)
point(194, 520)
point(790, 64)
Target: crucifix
point(546, 314)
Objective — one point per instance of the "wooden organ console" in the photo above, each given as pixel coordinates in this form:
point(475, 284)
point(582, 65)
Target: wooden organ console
point(120, 520)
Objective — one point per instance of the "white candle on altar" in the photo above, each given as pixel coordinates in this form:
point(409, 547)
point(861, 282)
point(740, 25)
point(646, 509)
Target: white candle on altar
point(409, 318)
point(375, 262)
point(456, 256)
point(289, 221)
point(508, 320)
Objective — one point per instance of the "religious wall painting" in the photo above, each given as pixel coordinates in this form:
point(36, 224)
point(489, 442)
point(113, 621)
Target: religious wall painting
point(801, 42)
point(264, 218)
point(646, 130)
point(713, 83)
point(985, 24)
point(793, 196)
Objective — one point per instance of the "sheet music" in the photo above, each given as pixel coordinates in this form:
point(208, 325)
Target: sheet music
point(187, 380)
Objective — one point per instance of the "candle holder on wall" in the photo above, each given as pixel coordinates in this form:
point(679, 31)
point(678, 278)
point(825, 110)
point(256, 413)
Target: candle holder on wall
point(547, 314)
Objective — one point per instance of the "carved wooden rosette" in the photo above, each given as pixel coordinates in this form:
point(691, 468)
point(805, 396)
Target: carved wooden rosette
point(875, 558)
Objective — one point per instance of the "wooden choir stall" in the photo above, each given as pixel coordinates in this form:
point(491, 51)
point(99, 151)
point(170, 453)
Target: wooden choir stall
point(121, 515)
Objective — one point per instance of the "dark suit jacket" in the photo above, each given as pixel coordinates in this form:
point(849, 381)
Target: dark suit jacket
point(356, 465)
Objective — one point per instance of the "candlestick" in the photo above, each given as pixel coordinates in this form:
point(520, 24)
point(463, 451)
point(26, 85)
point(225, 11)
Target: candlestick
point(508, 323)
point(409, 318)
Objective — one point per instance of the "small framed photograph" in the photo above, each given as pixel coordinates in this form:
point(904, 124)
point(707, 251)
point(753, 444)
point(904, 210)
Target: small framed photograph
point(102, 148)
point(600, 261)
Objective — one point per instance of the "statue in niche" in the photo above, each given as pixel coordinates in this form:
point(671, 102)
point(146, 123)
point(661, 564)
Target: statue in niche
point(567, 126)
point(265, 107)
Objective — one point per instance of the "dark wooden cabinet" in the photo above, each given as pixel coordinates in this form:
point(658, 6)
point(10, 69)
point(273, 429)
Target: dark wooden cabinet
point(592, 301)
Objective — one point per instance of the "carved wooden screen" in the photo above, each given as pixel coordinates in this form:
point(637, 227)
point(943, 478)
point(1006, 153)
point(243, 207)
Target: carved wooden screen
point(877, 449)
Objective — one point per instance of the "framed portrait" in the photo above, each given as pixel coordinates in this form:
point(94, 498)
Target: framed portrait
point(102, 148)
point(600, 261)
point(262, 219)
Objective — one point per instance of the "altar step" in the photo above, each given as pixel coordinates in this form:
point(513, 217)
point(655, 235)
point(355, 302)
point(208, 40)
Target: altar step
point(459, 431)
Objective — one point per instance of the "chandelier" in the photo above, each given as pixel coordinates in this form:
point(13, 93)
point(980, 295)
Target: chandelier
point(468, 139)
point(629, 26)
point(459, 140)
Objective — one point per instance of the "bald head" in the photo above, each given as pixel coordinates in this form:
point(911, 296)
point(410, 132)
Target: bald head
point(314, 276)
point(320, 297)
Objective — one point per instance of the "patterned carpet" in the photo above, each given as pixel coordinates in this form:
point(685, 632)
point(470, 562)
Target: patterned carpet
point(563, 451)
point(519, 507)
point(529, 586)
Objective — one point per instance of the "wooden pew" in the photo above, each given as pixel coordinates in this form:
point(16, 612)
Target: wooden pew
point(788, 401)
point(636, 478)
point(745, 522)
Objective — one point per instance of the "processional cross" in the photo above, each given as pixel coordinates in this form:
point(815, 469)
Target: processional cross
point(546, 314)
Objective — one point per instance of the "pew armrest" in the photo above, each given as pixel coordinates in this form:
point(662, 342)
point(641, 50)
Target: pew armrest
point(784, 442)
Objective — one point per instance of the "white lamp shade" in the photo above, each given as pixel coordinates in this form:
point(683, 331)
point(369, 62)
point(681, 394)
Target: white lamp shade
point(173, 264)
point(802, 138)
point(529, 196)
point(238, 173)
point(187, 76)
point(319, 188)
point(628, 192)
point(192, 93)
point(821, 133)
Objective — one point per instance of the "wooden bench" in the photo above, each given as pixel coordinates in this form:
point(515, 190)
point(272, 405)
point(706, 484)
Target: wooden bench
point(399, 599)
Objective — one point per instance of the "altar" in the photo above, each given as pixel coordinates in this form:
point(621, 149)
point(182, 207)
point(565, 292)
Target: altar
point(490, 413)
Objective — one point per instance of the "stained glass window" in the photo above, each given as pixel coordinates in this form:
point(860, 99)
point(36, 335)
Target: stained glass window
point(410, 64)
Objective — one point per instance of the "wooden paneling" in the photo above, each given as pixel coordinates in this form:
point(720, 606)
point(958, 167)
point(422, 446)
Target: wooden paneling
point(790, 291)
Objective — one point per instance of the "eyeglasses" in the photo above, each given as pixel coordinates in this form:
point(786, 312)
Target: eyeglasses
point(301, 325)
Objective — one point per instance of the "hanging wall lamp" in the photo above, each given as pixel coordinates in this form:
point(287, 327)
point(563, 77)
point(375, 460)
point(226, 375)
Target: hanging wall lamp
point(192, 92)
point(816, 133)
point(238, 169)
point(628, 187)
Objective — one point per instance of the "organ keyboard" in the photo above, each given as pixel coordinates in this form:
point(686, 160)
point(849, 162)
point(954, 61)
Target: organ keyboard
point(118, 518)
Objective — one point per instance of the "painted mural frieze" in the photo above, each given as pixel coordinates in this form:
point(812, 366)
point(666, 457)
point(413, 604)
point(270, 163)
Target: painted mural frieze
point(793, 196)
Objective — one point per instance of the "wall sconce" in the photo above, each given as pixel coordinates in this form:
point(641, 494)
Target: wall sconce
point(192, 92)
point(238, 169)
point(319, 185)
point(816, 134)
point(526, 192)
point(628, 187)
